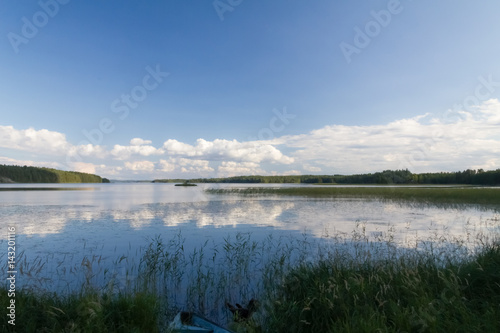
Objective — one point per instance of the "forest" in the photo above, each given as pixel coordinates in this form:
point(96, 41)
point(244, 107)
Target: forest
point(29, 174)
point(467, 177)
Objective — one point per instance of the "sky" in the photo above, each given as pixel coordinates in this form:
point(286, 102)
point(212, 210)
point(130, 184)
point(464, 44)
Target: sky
point(186, 89)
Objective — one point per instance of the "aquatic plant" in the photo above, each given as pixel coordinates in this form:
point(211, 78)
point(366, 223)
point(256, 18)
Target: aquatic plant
point(416, 194)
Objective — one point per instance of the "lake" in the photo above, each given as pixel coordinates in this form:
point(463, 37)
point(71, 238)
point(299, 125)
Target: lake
point(61, 228)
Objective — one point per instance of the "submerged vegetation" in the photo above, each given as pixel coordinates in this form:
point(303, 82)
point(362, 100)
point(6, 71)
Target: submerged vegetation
point(29, 174)
point(434, 195)
point(351, 283)
point(467, 177)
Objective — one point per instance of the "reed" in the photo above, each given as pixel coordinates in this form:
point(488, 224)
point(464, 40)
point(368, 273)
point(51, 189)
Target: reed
point(440, 195)
point(411, 294)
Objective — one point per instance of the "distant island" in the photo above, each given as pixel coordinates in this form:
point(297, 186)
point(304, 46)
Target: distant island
point(29, 174)
point(467, 177)
point(186, 183)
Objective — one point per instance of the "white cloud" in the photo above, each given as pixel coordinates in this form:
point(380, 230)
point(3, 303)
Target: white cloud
point(142, 166)
point(84, 167)
point(88, 150)
point(108, 171)
point(140, 142)
point(166, 166)
point(45, 142)
point(311, 168)
point(41, 141)
point(13, 161)
point(224, 150)
point(175, 147)
point(99, 169)
point(125, 152)
point(449, 142)
point(419, 144)
point(231, 168)
point(185, 165)
point(194, 166)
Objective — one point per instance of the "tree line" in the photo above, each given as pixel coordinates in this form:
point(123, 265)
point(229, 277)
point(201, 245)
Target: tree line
point(29, 174)
point(470, 177)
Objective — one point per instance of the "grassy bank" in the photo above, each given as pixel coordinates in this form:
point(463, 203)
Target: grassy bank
point(415, 194)
point(89, 311)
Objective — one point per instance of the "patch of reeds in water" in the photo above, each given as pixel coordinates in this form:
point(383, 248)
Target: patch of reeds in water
point(438, 195)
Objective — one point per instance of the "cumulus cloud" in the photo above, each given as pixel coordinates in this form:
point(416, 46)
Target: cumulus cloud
point(102, 170)
point(185, 165)
point(109, 171)
point(180, 157)
point(223, 150)
point(140, 142)
point(84, 167)
point(454, 140)
point(231, 168)
point(32, 140)
point(13, 161)
point(45, 142)
point(125, 152)
point(423, 143)
point(166, 166)
point(88, 150)
point(141, 166)
point(194, 166)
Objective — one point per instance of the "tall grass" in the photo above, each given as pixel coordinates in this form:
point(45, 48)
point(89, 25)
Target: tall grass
point(89, 311)
point(411, 294)
point(350, 283)
point(211, 274)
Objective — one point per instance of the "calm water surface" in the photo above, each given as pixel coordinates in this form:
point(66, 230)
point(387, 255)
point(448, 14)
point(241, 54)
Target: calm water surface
point(75, 220)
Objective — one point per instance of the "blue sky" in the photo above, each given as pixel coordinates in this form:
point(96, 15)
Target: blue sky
point(164, 89)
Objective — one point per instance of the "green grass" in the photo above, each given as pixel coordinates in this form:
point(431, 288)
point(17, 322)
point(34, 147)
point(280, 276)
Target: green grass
point(414, 194)
point(412, 294)
point(89, 311)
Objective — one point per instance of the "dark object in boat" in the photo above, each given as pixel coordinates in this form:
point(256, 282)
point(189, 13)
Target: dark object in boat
point(191, 322)
point(240, 313)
